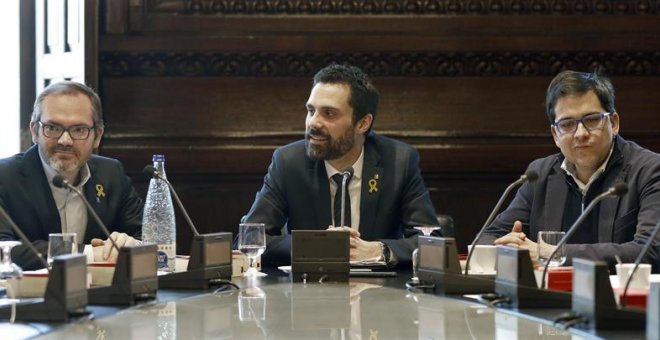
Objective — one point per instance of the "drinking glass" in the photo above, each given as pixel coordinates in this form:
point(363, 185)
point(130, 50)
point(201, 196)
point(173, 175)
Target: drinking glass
point(550, 238)
point(252, 243)
point(426, 230)
point(9, 269)
point(61, 244)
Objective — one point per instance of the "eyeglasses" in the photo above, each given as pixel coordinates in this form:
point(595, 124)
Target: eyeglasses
point(590, 122)
point(76, 132)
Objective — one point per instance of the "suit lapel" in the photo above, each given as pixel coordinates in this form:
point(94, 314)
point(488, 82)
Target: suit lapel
point(372, 175)
point(554, 201)
point(34, 181)
point(608, 206)
point(96, 193)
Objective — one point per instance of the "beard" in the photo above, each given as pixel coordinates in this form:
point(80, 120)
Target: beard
point(63, 165)
point(333, 148)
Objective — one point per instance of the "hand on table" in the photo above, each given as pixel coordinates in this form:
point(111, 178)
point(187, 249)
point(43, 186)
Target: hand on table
point(109, 252)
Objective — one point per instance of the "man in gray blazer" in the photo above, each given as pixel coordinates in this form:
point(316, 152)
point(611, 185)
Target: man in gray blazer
point(585, 127)
point(386, 191)
point(66, 126)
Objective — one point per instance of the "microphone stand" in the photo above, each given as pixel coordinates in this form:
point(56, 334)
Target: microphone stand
point(529, 176)
point(348, 173)
point(515, 284)
point(618, 189)
point(442, 270)
point(639, 259)
point(65, 296)
point(210, 261)
point(134, 278)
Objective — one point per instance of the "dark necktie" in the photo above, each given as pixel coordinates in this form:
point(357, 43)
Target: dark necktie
point(347, 210)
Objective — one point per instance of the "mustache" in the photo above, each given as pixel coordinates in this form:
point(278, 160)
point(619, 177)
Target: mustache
point(317, 133)
point(63, 148)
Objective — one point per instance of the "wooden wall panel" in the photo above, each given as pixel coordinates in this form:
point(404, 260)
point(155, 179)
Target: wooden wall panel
point(217, 85)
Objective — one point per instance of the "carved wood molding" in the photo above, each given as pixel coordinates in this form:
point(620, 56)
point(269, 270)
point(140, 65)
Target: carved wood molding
point(377, 64)
point(407, 7)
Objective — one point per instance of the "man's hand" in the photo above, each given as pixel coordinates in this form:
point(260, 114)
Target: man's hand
point(109, 252)
point(516, 238)
point(360, 249)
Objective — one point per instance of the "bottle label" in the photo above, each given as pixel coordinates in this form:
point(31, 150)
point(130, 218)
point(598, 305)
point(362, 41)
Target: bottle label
point(166, 253)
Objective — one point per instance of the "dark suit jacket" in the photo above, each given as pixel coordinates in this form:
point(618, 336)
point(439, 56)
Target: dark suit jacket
point(296, 193)
point(27, 197)
point(624, 222)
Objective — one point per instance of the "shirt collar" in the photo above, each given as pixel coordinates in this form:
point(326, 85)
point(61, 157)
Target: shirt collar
point(569, 168)
point(357, 167)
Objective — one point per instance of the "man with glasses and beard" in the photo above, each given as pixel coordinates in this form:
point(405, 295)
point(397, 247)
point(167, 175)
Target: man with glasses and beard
point(386, 191)
point(585, 127)
point(66, 127)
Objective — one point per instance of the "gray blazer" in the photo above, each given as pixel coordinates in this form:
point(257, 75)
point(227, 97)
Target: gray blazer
point(296, 193)
point(624, 222)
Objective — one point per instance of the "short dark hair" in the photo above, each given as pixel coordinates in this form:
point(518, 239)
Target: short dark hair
point(364, 95)
point(568, 83)
point(70, 88)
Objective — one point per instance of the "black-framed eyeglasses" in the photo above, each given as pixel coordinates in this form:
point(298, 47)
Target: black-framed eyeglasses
point(76, 132)
point(592, 121)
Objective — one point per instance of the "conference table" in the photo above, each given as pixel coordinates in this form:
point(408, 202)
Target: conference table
point(275, 307)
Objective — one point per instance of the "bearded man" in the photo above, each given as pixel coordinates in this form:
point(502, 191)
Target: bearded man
point(386, 193)
point(67, 126)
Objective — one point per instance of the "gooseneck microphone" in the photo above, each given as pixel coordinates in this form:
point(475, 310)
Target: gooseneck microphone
point(346, 176)
point(529, 176)
point(618, 189)
point(23, 238)
point(638, 260)
point(152, 172)
point(61, 182)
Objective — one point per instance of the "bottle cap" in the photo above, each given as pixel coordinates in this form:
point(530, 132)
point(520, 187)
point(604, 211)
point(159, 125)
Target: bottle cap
point(158, 158)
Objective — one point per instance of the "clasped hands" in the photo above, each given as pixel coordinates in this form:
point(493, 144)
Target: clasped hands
point(516, 238)
point(361, 250)
point(109, 253)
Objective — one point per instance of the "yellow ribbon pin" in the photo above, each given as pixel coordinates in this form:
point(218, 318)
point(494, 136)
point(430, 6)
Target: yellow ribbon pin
point(373, 184)
point(99, 191)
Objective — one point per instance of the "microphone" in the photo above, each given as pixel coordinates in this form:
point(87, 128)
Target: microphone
point(152, 172)
point(210, 260)
point(134, 277)
point(61, 182)
point(618, 189)
point(23, 238)
point(346, 176)
point(529, 176)
point(638, 260)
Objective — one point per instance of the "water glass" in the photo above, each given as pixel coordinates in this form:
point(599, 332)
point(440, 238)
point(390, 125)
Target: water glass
point(545, 242)
point(252, 243)
point(61, 244)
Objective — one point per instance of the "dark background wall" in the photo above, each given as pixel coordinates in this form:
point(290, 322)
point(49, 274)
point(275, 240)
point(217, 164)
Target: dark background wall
point(216, 86)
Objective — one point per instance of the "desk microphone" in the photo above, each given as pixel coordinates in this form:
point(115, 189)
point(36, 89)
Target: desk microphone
point(529, 176)
point(641, 256)
point(618, 189)
point(23, 238)
point(152, 172)
point(210, 260)
point(63, 299)
point(134, 277)
point(61, 182)
point(346, 176)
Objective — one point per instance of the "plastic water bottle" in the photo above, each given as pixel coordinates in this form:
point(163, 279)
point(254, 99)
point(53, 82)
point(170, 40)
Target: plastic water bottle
point(158, 223)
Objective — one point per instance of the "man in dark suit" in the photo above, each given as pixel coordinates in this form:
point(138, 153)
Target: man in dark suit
point(66, 126)
point(585, 127)
point(386, 192)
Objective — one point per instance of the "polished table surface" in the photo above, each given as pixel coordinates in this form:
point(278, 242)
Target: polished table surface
point(274, 307)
